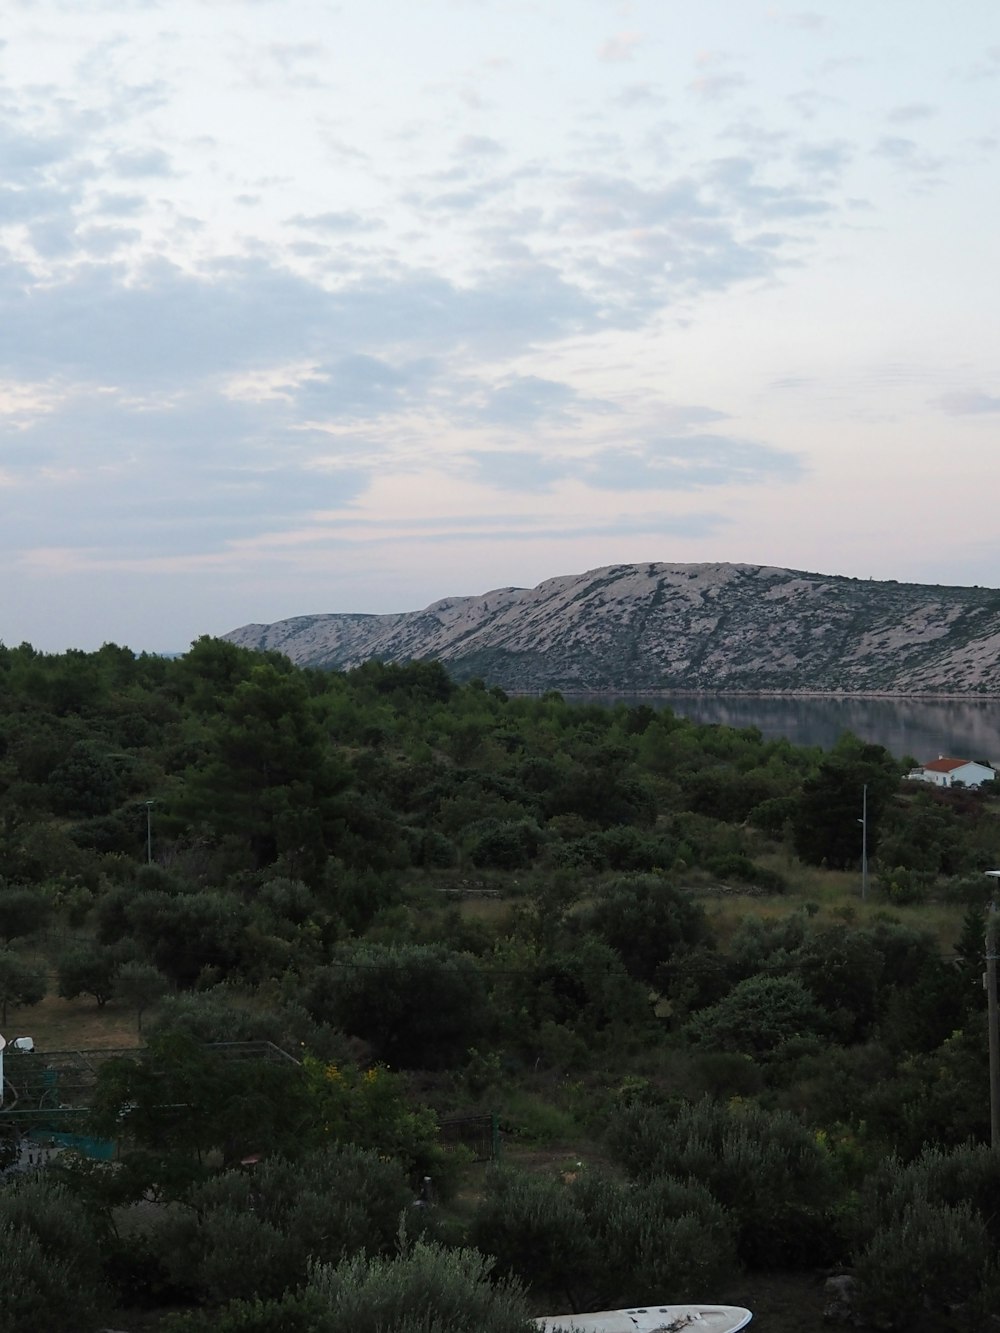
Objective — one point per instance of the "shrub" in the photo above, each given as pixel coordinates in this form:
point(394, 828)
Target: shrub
point(763, 945)
point(772, 815)
point(694, 979)
point(254, 1235)
point(505, 844)
point(584, 990)
point(766, 1017)
point(646, 919)
point(418, 1005)
point(903, 886)
point(303, 1312)
point(843, 971)
point(370, 1109)
point(766, 1168)
point(969, 1174)
point(22, 911)
point(620, 848)
point(429, 1289)
point(89, 969)
point(593, 1241)
point(735, 865)
point(50, 1260)
point(925, 1263)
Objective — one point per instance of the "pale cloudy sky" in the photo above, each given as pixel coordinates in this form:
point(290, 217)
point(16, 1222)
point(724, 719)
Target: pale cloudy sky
point(311, 306)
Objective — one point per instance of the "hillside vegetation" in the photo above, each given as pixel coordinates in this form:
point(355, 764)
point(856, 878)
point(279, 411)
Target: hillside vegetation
point(679, 627)
point(638, 941)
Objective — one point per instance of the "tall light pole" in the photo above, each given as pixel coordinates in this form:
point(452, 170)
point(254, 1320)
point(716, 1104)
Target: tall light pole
point(863, 821)
point(992, 1015)
point(149, 832)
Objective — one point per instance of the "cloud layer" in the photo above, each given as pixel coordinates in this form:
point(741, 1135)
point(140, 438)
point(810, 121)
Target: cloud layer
point(292, 298)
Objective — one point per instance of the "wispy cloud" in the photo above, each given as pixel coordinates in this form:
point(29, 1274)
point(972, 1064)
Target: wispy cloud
point(619, 48)
point(717, 85)
point(133, 163)
point(803, 20)
point(970, 402)
point(910, 112)
point(336, 223)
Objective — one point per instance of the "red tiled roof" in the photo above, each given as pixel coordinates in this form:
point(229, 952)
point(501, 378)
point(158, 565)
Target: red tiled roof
point(944, 765)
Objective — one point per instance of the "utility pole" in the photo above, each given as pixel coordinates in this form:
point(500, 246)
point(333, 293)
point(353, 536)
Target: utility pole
point(863, 821)
point(149, 832)
point(992, 1016)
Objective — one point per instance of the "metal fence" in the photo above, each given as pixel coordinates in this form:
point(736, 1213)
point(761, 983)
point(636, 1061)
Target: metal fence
point(480, 1133)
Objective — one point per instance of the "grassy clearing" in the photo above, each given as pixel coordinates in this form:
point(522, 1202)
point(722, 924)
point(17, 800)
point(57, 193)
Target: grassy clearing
point(831, 897)
point(494, 912)
point(941, 920)
point(75, 1025)
point(528, 1118)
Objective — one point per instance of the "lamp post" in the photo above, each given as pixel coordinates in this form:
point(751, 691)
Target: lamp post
point(990, 981)
point(863, 821)
point(149, 832)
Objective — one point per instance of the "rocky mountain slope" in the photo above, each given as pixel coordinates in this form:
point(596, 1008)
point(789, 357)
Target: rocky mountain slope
point(679, 627)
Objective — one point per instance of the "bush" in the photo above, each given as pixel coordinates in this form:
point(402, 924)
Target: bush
point(772, 1175)
point(843, 970)
point(50, 1262)
point(646, 919)
point(22, 911)
point(370, 1109)
point(303, 1312)
point(584, 991)
point(429, 1289)
point(254, 1235)
point(772, 815)
point(621, 848)
point(505, 844)
point(694, 979)
point(89, 969)
point(930, 1269)
point(735, 865)
point(419, 1006)
point(594, 1242)
point(769, 1018)
point(903, 886)
point(927, 1235)
point(969, 1174)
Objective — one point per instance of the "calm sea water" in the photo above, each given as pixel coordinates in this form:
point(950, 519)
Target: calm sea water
point(924, 729)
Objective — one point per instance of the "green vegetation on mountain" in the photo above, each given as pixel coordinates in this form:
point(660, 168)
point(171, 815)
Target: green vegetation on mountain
point(639, 941)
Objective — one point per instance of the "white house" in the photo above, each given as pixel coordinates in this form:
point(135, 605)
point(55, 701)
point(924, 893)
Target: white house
point(945, 772)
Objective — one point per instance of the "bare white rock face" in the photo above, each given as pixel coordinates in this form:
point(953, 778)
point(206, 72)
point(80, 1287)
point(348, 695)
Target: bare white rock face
point(741, 628)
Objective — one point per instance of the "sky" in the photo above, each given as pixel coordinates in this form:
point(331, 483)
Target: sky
point(314, 307)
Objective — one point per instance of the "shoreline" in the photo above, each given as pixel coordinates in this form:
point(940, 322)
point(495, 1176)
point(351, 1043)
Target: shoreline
point(647, 693)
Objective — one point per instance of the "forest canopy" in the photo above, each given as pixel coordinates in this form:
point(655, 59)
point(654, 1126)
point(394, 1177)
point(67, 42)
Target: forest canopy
point(408, 901)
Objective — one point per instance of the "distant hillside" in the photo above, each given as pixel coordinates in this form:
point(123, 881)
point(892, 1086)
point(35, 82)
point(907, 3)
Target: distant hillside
point(679, 627)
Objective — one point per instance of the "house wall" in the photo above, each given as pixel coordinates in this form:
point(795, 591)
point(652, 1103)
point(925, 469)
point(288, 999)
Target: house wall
point(969, 774)
point(973, 774)
point(928, 775)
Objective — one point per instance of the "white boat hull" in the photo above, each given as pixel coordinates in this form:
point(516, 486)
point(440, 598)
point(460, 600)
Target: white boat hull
point(651, 1319)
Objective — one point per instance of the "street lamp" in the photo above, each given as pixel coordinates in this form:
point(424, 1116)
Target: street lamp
point(990, 981)
point(863, 821)
point(149, 832)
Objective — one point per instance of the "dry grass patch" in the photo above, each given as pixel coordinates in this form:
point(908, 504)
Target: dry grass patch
point(831, 897)
point(75, 1025)
point(491, 911)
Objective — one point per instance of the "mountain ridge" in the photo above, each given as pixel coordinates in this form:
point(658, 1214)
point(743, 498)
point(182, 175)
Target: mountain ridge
point(717, 627)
